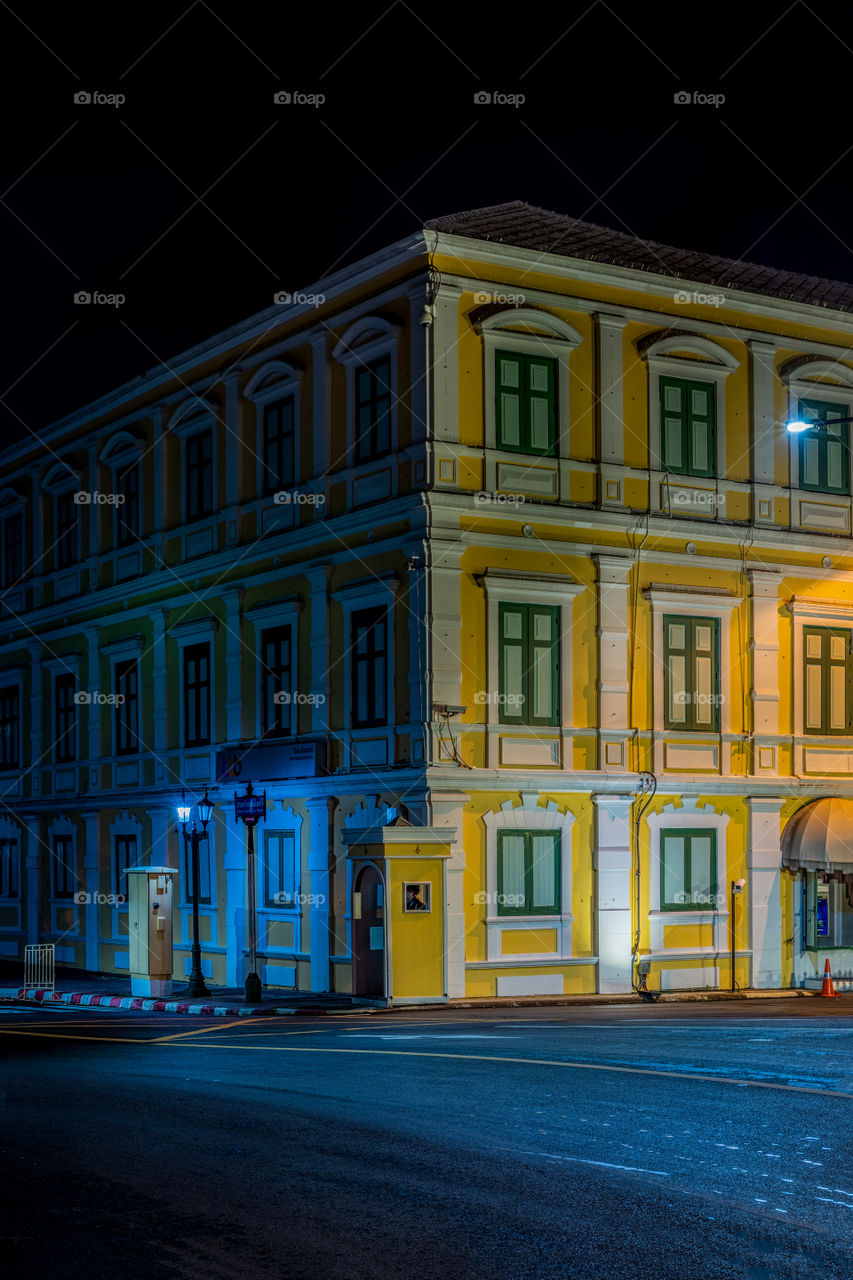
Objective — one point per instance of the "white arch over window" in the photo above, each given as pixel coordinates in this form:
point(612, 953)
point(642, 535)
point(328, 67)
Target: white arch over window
point(61, 477)
point(690, 356)
point(529, 815)
point(121, 448)
point(271, 379)
point(367, 337)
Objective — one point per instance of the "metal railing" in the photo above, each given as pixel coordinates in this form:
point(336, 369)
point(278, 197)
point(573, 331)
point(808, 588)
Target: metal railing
point(40, 966)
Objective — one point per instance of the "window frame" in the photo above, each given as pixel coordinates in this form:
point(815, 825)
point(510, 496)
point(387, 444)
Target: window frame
point(190, 649)
point(10, 869)
point(128, 531)
point(526, 360)
point(687, 386)
point(125, 839)
point(65, 715)
point(822, 441)
point(59, 884)
point(527, 909)
point(282, 836)
point(273, 674)
point(379, 613)
point(13, 575)
point(688, 834)
point(122, 668)
point(14, 720)
point(689, 724)
point(280, 484)
point(367, 369)
point(66, 531)
point(195, 470)
point(528, 611)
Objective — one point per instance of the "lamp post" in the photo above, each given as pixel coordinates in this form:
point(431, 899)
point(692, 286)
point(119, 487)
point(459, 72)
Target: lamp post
point(251, 808)
point(204, 808)
point(796, 426)
point(737, 890)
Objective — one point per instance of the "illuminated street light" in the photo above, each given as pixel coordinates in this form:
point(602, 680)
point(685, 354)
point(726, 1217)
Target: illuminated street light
point(204, 808)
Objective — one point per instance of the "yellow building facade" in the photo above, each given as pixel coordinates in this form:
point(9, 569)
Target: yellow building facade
point(497, 566)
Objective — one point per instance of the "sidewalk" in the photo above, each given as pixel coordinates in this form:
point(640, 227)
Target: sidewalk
point(227, 1002)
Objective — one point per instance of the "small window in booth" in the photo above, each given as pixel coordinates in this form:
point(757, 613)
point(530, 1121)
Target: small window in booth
point(416, 896)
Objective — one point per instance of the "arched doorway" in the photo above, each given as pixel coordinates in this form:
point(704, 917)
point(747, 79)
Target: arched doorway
point(368, 933)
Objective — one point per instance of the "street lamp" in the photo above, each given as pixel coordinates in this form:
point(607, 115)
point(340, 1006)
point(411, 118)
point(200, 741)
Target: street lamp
point(821, 424)
point(737, 889)
point(204, 809)
point(251, 808)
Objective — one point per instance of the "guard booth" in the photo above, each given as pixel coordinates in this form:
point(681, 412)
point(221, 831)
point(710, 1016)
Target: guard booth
point(150, 896)
point(398, 908)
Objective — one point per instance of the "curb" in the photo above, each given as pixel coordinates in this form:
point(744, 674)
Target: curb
point(85, 999)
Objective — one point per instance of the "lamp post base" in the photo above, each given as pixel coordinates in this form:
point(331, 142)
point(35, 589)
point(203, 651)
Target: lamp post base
point(196, 987)
point(253, 989)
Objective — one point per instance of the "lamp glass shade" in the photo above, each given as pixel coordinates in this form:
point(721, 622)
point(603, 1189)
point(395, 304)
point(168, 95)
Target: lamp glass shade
point(184, 811)
point(796, 426)
point(205, 809)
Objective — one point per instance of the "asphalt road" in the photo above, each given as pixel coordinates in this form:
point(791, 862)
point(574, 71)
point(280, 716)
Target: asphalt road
point(674, 1142)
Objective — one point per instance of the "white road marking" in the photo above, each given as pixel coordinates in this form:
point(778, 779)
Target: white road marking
point(601, 1164)
point(826, 1200)
point(426, 1035)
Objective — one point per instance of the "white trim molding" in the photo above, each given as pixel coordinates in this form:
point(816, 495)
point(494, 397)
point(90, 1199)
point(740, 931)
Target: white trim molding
point(535, 332)
point(704, 361)
point(529, 815)
point(546, 746)
point(710, 603)
point(692, 814)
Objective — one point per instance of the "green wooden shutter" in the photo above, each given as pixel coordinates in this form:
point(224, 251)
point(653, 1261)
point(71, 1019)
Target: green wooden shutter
point(824, 455)
point(512, 626)
point(541, 433)
point(509, 403)
point(827, 679)
point(673, 424)
point(544, 664)
point(544, 873)
point(677, 689)
point(814, 645)
point(701, 461)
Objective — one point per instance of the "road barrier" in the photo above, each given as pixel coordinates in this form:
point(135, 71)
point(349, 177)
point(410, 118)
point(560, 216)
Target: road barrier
point(40, 966)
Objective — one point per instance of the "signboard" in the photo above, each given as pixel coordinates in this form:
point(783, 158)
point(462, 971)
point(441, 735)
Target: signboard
point(269, 763)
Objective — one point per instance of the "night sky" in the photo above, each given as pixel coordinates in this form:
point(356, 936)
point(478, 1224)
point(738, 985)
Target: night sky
point(199, 196)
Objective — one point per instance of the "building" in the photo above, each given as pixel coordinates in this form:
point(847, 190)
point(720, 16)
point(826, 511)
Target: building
point(492, 560)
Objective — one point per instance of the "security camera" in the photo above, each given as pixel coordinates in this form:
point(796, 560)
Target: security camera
point(738, 885)
point(455, 711)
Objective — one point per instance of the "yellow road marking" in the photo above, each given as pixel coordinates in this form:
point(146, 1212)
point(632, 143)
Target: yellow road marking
point(464, 1057)
point(199, 1031)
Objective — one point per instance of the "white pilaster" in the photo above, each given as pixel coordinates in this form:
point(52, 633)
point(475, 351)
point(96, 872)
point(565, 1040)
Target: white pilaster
point(321, 407)
point(765, 671)
point(232, 599)
point(610, 395)
point(447, 810)
point(613, 691)
point(319, 580)
point(233, 450)
point(93, 684)
point(445, 622)
point(764, 860)
point(32, 850)
point(418, 338)
point(236, 923)
point(613, 907)
point(91, 910)
point(761, 380)
point(445, 363)
point(321, 856)
point(160, 708)
point(36, 683)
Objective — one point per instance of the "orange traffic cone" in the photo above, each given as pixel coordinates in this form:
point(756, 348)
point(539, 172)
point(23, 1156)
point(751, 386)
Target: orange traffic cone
point(827, 989)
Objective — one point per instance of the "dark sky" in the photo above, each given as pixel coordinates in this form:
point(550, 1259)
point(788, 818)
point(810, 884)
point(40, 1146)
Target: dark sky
point(199, 197)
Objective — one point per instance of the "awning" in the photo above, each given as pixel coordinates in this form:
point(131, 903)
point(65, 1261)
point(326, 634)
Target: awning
point(819, 837)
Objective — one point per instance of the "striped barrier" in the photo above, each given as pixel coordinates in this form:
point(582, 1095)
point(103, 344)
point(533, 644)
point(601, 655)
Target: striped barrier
point(87, 999)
